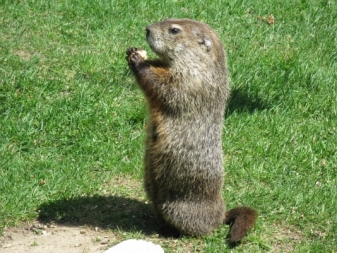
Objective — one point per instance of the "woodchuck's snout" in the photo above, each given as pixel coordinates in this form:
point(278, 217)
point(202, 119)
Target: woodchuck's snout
point(187, 90)
point(147, 31)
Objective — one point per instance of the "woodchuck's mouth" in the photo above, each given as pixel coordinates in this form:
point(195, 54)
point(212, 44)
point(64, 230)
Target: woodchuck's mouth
point(152, 43)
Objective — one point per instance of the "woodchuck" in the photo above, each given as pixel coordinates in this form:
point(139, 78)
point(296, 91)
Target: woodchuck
point(187, 90)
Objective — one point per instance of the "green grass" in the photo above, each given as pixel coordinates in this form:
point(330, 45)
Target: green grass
point(72, 119)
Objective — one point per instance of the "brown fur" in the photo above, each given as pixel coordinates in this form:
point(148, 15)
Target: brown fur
point(240, 219)
point(187, 90)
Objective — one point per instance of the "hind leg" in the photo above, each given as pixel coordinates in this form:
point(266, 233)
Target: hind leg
point(194, 218)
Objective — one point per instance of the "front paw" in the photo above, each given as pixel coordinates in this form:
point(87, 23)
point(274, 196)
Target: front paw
point(135, 59)
point(130, 51)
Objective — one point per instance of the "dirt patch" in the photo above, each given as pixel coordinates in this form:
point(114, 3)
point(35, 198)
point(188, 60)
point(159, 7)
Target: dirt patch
point(24, 55)
point(38, 238)
point(286, 238)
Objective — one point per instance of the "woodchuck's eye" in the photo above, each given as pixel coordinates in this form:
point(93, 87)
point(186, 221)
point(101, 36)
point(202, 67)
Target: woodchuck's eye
point(174, 30)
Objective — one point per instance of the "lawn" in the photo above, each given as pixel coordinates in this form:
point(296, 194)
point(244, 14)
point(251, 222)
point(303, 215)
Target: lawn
point(72, 118)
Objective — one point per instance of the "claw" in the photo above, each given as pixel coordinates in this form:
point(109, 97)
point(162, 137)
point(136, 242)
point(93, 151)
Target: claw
point(131, 50)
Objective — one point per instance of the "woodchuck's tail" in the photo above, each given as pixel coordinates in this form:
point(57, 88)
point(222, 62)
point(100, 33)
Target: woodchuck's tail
point(240, 219)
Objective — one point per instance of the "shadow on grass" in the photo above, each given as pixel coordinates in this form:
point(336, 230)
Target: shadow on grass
point(240, 101)
point(110, 212)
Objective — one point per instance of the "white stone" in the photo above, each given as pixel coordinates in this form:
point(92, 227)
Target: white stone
point(135, 246)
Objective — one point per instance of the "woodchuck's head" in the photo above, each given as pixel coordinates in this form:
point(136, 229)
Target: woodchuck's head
point(184, 41)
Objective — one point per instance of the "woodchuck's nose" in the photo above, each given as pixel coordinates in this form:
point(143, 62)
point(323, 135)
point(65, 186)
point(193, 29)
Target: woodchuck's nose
point(148, 31)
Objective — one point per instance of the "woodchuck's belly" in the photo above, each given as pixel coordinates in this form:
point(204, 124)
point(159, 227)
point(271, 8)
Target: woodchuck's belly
point(178, 174)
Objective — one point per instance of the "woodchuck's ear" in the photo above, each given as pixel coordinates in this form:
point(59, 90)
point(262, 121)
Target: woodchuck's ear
point(206, 43)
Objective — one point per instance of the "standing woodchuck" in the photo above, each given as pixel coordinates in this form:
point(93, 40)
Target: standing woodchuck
point(187, 90)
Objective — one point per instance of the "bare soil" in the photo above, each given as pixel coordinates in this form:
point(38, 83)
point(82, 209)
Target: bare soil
point(49, 238)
